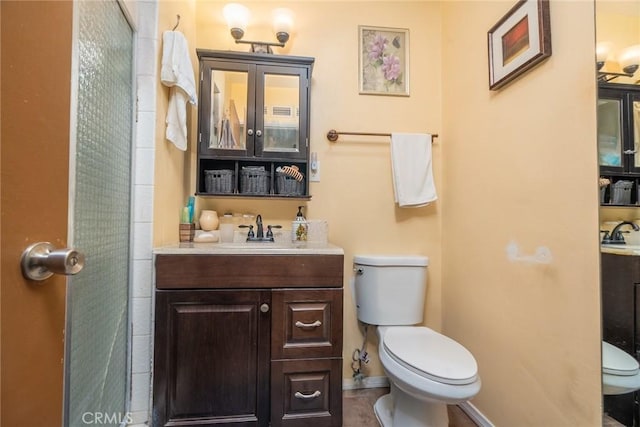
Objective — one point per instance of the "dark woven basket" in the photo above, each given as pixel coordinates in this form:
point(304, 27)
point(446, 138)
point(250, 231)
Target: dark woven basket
point(254, 181)
point(218, 181)
point(288, 186)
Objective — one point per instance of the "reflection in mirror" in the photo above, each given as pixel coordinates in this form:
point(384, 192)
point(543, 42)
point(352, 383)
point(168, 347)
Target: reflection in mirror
point(281, 113)
point(228, 110)
point(636, 131)
point(609, 137)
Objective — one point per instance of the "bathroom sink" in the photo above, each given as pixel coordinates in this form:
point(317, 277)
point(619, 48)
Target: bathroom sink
point(625, 249)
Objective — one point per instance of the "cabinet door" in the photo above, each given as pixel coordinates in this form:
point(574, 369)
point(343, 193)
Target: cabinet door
point(211, 359)
point(227, 113)
point(611, 143)
point(633, 132)
point(281, 112)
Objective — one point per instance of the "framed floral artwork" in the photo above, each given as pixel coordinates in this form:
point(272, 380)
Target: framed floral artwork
point(384, 61)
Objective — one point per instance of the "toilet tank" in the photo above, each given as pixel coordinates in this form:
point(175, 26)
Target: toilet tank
point(390, 290)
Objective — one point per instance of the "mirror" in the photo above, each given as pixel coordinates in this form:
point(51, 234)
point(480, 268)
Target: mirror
point(609, 136)
point(617, 27)
point(228, 109)
point(281, 113)
point(280, 118)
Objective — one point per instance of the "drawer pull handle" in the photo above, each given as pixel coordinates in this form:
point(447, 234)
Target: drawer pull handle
point(315, 324)
point(313, 395)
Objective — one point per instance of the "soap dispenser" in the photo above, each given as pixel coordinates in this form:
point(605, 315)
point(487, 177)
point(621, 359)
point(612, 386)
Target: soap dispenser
point(299, 227)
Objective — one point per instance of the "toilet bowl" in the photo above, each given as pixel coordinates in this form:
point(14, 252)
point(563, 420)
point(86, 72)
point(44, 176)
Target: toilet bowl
point(426, 369)
point(620, 371)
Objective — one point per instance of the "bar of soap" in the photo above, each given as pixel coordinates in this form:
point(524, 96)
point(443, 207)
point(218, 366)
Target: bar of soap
point(206, 236)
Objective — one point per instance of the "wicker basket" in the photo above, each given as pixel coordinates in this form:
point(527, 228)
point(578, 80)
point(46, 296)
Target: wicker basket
point(621, 192)
point(288, 186)
point(254, 180)
point(218, 181)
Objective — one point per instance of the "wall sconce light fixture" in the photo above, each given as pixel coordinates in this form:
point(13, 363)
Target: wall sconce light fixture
point(237, 17)
point(629, 60)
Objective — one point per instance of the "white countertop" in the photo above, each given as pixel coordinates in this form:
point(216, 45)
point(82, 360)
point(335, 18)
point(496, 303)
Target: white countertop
point(252, 248)
point(633, 250)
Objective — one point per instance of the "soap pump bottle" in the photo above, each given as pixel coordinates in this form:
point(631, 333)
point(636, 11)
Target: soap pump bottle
point(299, 227)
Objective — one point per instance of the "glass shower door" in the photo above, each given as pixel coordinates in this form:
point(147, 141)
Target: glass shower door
point(97, 361)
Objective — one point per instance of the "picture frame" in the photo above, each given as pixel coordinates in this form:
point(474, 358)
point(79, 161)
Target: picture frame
point(520, 40)
point(383, 61)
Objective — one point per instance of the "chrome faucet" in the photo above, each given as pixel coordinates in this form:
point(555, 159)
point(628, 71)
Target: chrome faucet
point(259, 229)
point(259, 235)
point(615, 238)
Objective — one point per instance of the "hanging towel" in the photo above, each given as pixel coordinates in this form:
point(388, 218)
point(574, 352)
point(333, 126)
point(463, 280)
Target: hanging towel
point(177, 73)
point(411, 169)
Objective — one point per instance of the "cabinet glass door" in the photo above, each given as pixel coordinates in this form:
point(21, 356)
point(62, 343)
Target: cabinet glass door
point(610, 134)
point(226, 110)
point(635, 136)
point(228, 116)
point(281, 96)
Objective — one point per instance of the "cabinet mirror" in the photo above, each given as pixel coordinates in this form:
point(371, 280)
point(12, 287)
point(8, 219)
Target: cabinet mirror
point(228, 109)
point(609, 135)
point(280, 115)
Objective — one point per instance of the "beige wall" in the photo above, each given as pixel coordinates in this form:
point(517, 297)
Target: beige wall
point(520, 164)
point(516, 164)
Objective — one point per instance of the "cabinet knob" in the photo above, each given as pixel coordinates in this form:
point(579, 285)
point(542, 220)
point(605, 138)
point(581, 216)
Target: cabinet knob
point(625, 151)
point(250, 132)
point(258, 133)
point(264, 308)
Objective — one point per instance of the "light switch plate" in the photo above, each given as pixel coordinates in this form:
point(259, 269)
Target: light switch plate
point(314, 174)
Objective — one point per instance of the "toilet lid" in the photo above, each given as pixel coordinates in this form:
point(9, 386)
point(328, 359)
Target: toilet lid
point(431, 354)
point(618, 362)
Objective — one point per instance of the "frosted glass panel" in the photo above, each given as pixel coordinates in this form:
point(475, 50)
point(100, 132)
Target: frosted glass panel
point(97, 331)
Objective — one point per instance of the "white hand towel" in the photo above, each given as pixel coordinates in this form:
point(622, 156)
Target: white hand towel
point(411, 169)
point(177, 73)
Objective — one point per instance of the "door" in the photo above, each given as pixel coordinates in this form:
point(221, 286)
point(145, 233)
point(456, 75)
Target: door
point(36, 130)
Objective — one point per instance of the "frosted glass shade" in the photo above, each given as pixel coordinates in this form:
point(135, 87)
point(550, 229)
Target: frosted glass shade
point(237, 17)
point(630, 58)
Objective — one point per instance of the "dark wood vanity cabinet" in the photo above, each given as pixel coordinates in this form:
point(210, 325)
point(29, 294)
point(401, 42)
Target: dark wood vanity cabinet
point(248, 349)
point(253, 117)
point(621, 324)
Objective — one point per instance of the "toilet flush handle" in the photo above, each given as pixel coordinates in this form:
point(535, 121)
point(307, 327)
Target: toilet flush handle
point(359, 271)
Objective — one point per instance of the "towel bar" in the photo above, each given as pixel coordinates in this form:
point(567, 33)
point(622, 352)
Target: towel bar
point(333, 134)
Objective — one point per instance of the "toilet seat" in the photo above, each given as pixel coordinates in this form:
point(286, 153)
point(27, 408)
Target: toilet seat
point(430, 354)
point(617, 362)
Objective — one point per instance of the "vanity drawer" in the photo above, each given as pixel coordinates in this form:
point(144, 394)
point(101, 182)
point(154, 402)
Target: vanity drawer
point(306, 393)
point(306, 323)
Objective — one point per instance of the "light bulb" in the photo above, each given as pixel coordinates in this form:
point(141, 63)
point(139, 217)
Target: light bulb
point(237, 17)
point(282, 23)
point(630, 58)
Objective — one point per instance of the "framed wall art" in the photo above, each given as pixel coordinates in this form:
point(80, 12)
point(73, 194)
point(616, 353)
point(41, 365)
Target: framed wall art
point(520, 40)
point(384, 61)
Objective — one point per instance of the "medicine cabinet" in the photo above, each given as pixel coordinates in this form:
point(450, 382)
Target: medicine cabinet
point(253, 118)
point(619, 143)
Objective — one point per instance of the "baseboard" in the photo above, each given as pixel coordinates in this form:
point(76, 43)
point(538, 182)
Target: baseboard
point(477, 416)
point(367, 382)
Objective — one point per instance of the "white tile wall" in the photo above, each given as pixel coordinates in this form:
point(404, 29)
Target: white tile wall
point(143, 192)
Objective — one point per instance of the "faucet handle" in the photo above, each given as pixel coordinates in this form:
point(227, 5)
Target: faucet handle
point(250, 227)
point(270, 231)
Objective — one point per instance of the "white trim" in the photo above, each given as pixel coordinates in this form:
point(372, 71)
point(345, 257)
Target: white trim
point(367, 382)
point(477, 416)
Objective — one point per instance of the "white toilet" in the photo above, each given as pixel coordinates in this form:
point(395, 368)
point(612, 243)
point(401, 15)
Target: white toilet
point(620, 371)
point(426, 370)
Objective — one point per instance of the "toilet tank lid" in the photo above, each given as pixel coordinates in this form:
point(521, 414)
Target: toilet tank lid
point(391, 260)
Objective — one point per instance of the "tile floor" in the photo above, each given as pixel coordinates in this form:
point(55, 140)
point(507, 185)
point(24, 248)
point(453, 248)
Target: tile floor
point(357, 408)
